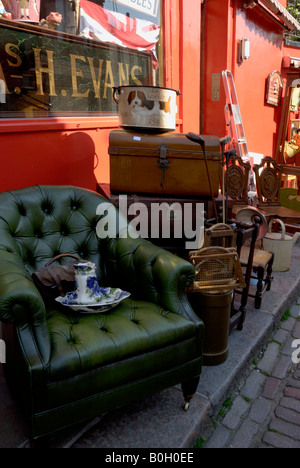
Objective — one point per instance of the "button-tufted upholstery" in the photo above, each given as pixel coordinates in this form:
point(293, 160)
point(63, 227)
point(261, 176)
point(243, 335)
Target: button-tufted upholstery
point(64, 366)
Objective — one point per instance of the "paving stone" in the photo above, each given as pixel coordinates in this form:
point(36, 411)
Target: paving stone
point(295, 383)
point(288, 415)
point(280, 441)
point(271, 387)
point(290, 403)
point(253, 384)
point(244, 436)
point(234, 415)
point(288, 429)
point(297, 374)
point(260, 410)
point(219, 439)
point(288, 348)
point(270, 358)
point(288, 324)
point(296, 331)
point(281, 367)
point(292, 392)
point(281, 336)
point(295, 310)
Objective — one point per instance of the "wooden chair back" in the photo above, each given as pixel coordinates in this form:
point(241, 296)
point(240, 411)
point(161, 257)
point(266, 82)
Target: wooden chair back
point(268, 175)
point(238, 180)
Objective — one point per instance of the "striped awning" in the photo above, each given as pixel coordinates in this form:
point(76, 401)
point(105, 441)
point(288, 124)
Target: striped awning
point(281, 13)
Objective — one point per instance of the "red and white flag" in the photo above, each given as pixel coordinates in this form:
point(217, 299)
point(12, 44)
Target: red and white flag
point(116, 28)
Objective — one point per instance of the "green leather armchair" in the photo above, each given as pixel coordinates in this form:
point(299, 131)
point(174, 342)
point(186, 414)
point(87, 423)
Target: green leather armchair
point(65, 367)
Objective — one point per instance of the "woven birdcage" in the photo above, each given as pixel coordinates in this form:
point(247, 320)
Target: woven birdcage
point(221, 235)
point(217, 269)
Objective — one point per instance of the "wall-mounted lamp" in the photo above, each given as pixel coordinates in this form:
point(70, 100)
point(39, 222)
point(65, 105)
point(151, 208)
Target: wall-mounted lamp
point(251, 4)
point(244, 50)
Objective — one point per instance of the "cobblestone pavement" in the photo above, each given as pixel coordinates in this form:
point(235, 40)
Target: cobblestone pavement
point(264, 412)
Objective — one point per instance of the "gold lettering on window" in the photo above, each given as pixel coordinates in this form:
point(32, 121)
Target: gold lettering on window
point(77, 73)
point(135, 79)
point(39, 70)
point(123, 79)
point(96, 81)
point(108, 74)
point(11, 53)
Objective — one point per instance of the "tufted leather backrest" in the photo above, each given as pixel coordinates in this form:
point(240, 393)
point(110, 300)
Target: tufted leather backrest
point(41, 222)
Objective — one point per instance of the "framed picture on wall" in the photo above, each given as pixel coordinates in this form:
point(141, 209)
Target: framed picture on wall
point(274, 88)
point(25, 10)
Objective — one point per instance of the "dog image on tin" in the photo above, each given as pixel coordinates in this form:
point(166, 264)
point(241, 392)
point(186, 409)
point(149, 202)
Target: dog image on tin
point(144, 108)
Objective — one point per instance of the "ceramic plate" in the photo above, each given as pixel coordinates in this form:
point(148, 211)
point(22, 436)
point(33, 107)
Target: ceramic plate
point(110, 298)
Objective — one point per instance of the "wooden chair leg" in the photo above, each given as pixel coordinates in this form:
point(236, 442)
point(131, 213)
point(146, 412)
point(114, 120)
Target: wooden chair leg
point(241, 321)
point(269, 277)
point(189, 389)
point(259, 289)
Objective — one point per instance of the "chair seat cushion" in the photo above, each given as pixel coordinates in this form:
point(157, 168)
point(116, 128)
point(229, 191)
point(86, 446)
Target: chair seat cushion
point(83, 342)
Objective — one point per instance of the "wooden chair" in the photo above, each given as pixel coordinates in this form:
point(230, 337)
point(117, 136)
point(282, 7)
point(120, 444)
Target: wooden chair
point(262, 267)
point(268, 175)
point(238, 180)
point(256, 264)
point(237, 177)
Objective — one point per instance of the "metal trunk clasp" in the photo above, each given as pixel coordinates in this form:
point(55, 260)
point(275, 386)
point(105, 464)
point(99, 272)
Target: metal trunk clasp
point(163, 162)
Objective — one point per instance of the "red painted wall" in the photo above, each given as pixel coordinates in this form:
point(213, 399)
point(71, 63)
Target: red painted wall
point(216, 47)
point(53, 153)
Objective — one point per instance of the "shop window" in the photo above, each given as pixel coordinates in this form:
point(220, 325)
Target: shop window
point(63, 58)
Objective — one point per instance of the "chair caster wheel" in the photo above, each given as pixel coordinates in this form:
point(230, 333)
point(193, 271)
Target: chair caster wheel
point(186, 406)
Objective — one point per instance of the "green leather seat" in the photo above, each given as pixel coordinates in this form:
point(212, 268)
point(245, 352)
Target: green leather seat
point(64, 366)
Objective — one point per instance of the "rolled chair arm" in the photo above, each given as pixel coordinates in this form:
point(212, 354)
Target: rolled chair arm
point(172, 276)
point(21, 303)
point(152, 273)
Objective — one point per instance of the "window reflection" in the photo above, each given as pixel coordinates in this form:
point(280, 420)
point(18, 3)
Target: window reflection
point(68, 61)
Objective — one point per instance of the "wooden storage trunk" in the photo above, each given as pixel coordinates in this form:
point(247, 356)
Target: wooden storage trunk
point(166, 163)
